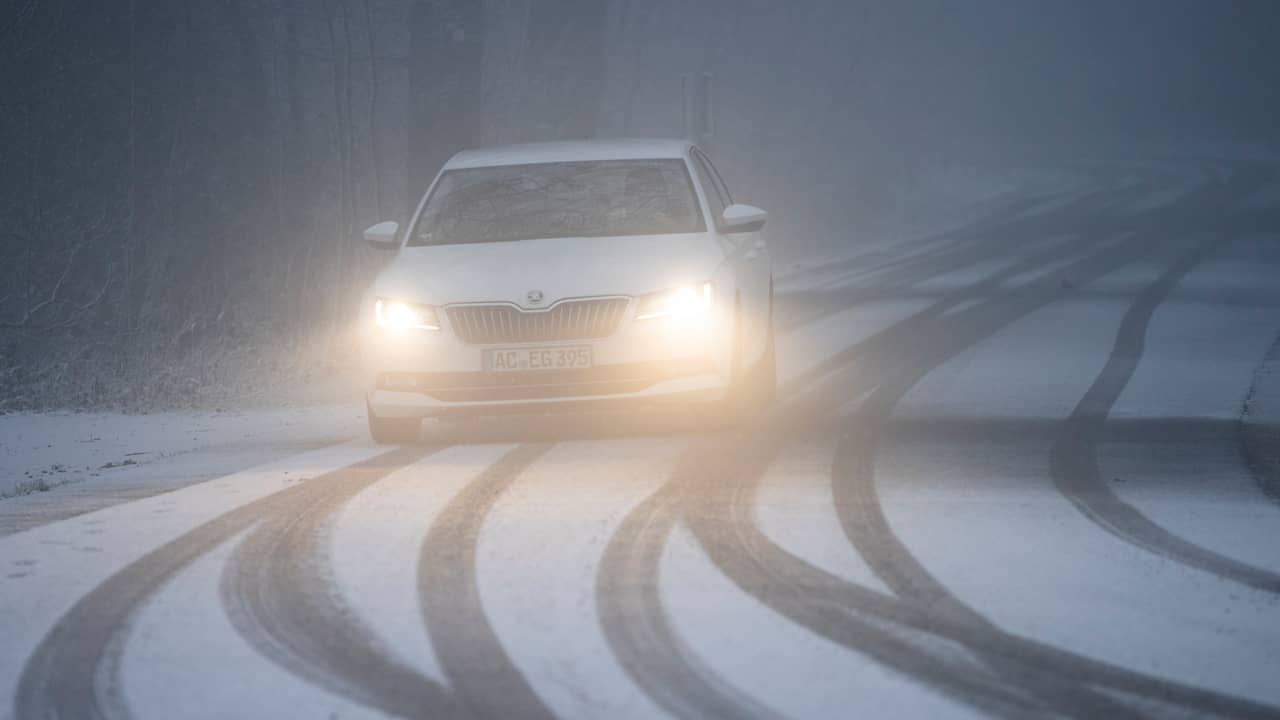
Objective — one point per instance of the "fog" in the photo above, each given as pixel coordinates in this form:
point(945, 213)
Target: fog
point(183, 183)
point(909, 358)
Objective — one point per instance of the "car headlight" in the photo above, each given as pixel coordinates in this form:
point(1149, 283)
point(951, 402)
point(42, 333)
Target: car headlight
point(396, 315)
point(689, 301)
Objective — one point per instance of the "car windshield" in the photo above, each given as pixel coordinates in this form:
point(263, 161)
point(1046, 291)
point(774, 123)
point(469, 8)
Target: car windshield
point(562, 199)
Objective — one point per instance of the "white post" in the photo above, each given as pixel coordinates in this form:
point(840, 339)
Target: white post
point(695, 106)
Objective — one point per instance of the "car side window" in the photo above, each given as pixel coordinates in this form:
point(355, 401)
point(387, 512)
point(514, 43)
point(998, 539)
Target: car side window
point(717, 197)
point(721, 187)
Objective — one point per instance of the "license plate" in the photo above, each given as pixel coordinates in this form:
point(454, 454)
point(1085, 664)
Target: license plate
point(541, 358)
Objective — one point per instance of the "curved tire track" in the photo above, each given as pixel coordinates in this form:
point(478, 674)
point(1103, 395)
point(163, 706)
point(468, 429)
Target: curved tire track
point(485, 681)
point(74, 671)
point(764, 565)
point(786, 585)
point(1073, 460)
point(973, 241)
point(758, 566)
point(639, 631)
point(634, 621)
point(278, 591)
point(972, 244)
point(636, 625)
point(863, 521)
point(870, 533)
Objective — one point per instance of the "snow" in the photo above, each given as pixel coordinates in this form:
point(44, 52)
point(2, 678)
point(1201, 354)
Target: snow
point(62, 561)
point(1194, 329)
point(1260, 426)
point(944, 199)
point(65, 447)
point(1035, 377)
point(1194, 483)
point(802, 349)
point(539, 556)
point(376, 539)
point(779, 663)
point(1044, 571)
point(92, 460)
point(986, 525)
point(990, 525)
point(794, 510)
point(183, 658)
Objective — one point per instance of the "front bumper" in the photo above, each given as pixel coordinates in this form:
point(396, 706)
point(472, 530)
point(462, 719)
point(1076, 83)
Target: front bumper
point(433, 373)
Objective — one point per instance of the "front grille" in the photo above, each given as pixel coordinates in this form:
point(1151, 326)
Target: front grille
point(570, 320)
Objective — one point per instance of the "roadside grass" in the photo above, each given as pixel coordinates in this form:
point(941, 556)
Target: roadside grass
point(244, 370)
point(29, 487)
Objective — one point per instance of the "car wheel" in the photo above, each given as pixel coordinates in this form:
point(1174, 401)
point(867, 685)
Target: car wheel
point(758, 387)
point(764, 385)
point(750, 393)
point(392, 431)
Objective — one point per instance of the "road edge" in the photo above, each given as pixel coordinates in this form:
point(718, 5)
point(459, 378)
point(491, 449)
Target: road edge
point(1259, 426)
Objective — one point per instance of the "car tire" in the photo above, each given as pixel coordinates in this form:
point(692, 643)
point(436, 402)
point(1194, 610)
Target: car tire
point(392, 431)
point(758, 388)
point(764, 385)
point(750, 393)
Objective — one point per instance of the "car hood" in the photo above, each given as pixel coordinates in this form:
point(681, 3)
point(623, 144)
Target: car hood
point(556, 267)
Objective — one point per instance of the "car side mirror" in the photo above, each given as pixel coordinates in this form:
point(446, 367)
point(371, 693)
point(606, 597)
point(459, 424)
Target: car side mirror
point(739, 218)
point(383, 235)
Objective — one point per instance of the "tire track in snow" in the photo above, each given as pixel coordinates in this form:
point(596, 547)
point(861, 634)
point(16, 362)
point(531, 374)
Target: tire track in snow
point(484, 680)
point(637, 627)
point(73, 672)
point(877, 259)
point(278, 591)
point(960, 330)
point(1011, 217)
point(864, 523)
point(1073, 459)
point(901, 333)
point(763, 566)
point(758, 566)
point(634, 620)
point(347, 670)
point(640, 633)
point(971, 245)
point(863, 520)
point(804, 595)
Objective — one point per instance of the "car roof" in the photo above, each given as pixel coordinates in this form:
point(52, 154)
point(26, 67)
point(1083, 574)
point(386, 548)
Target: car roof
point(570, 151)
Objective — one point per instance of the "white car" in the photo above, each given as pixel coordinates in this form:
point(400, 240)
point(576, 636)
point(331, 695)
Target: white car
point(569, 275)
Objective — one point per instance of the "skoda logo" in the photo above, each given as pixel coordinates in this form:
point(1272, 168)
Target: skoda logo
point(534, 297)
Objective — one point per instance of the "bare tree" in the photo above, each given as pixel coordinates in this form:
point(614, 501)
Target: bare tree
point(445, 53)
point(566, 61)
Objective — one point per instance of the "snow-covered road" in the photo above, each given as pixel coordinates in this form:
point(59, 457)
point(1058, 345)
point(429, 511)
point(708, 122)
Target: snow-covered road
point(1005, 477)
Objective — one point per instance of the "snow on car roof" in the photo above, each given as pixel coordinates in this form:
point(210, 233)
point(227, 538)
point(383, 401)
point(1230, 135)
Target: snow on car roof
point(569, 151)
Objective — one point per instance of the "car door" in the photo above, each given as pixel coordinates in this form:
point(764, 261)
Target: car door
point(749, 255)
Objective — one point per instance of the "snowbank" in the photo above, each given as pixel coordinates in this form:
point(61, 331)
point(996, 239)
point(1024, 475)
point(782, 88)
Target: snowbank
point(56, 465)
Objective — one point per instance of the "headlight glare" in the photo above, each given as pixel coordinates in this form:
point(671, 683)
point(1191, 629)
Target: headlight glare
point(396, 315)
point(684, 302)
